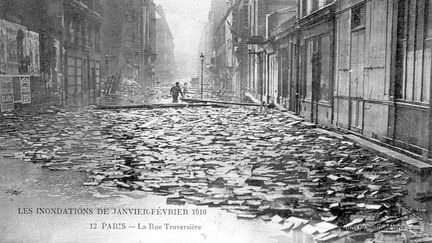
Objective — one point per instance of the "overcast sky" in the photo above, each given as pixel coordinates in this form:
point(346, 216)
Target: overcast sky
point(186, 19)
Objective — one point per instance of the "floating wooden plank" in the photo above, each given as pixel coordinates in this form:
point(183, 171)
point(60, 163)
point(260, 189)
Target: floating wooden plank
point(253, 98)
point(218, 102)
point(156, 106)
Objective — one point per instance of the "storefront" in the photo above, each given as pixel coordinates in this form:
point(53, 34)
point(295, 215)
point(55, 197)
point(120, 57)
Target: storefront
point(316, 48)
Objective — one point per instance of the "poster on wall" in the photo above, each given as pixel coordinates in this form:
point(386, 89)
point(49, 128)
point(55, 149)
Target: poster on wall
point(35, 66)
point(26, 44)
point(6, 94)
point(11, 48)
point(29, 52)
point(25, 90)
point(3, 43)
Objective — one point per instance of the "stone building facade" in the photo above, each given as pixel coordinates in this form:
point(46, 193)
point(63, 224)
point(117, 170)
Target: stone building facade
point(129, 46)
point(165, 63)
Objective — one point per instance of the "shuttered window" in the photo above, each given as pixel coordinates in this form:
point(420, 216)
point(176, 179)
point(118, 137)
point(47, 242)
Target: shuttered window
point(414, 47)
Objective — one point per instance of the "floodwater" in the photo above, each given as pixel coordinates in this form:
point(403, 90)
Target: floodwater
point(40, 188)
point(420, 185)
point(25, 186)
point(36, 187)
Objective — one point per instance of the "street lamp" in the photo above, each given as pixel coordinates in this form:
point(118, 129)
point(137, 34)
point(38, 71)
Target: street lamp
point(202, 75)
point(252, 42)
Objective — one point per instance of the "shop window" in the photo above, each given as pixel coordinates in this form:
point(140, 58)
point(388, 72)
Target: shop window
point(79, 75)
point(74, 75)
point(358, 17)
point(71, 75)
point(98, 80)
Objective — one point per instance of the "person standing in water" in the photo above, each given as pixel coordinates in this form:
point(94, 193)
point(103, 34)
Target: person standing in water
point(176, 91)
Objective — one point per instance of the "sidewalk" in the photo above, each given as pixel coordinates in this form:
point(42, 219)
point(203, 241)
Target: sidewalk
point(414, 165)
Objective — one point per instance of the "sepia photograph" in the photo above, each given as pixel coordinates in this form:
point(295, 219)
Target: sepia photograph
point(215, 121)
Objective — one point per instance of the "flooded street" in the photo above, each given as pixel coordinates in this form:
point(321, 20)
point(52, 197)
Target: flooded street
point(255, 177)
point(41, 188)
point(263, 121)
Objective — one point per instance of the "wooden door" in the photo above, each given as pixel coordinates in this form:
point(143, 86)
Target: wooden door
point(316, 79)
point(356, 89)
point(274, 87)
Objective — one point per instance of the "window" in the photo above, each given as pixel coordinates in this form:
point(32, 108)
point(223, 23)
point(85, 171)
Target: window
point(304, 7)
point(325, 50)
point(358, 17)
point(91, 36)
point(85, 37)
point(78, 74)
point(315, 5)
point(72, 31)
point(309, 6)
point(414, 62)
point(98, 81)
point(74, 75)
point(71, 75)
point(97, 38)
point(79, 35)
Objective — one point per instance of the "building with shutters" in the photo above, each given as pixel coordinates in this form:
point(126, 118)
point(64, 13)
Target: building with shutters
point(384, 71)
point(360, 66)
point(379, 86)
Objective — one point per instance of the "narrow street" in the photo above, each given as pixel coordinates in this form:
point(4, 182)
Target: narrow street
point(250, 177)
point(243, 121)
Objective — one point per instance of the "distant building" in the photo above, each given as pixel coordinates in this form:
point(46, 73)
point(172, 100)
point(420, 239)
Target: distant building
point(165, 63)
point(217, 46)
point(129, 34)
point(224, 41)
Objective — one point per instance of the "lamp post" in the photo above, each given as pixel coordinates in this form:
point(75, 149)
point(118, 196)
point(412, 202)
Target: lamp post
point(252, 42)
point(202, 75)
